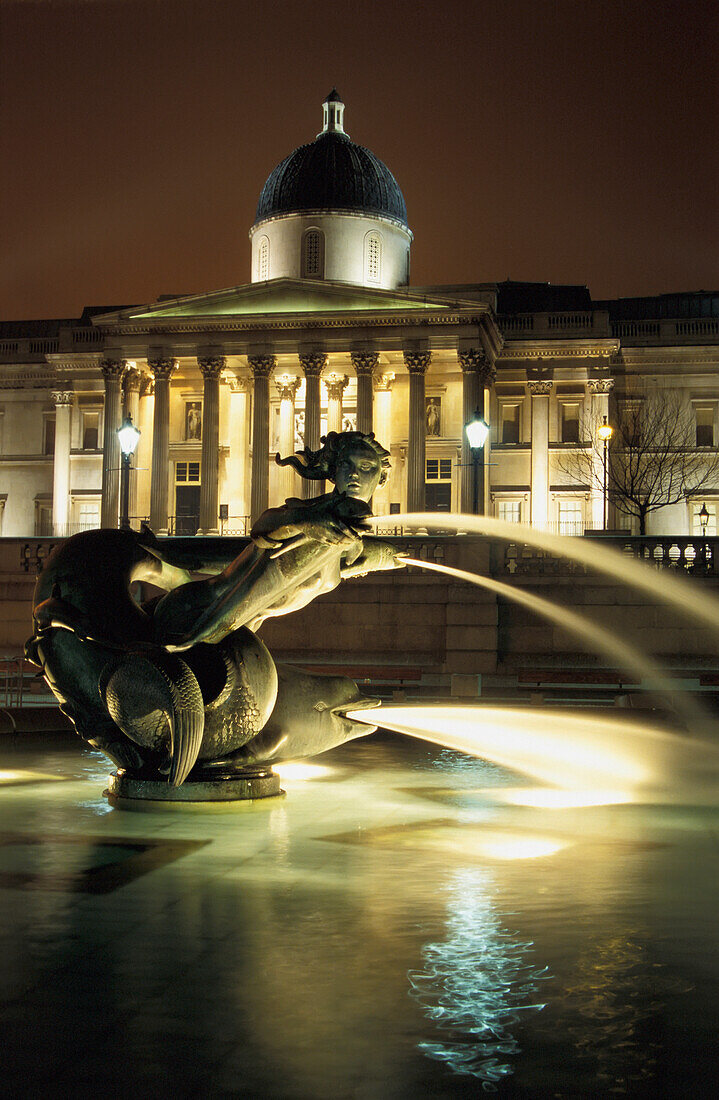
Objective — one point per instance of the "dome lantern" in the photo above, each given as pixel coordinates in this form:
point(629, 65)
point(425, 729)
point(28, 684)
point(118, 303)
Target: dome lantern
point(333, 113)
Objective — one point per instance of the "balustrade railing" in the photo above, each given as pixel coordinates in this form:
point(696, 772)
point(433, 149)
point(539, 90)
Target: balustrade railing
point(692, 554)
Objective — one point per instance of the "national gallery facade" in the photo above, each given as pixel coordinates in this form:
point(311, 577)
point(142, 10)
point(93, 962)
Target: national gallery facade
point(328, 334)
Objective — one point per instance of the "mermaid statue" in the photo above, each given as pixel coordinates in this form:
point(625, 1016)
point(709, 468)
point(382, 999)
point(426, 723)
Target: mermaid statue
point(178, 688)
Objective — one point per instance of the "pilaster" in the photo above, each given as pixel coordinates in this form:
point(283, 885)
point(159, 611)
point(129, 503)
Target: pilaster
point(112, 371)
point(61, 462)
point(162, 369)
point(262, 367)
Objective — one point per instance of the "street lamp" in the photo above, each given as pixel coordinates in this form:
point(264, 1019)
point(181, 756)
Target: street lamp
point(605, 434)
point(476, 431)
point(129, 437)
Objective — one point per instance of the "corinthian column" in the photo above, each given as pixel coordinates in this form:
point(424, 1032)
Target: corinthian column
point(161, 371)
point(287, 386)
point(416, 363)
point(112, 370)
point(261, 367)
point(478, 373)
point(600, 389)
point(336, 385)
point(365, 363)
point(211, 368)
point(540, 390)
point(383, 433)
point(61, 462)
point(312, 364)
point(131, 407)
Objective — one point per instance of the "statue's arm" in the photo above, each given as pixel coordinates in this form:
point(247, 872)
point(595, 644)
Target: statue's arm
point(376, 555)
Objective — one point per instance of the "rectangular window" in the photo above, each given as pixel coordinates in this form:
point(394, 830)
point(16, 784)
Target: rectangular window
point(510, 511)
point(569, 414)
point(90, 430)
point(187, 472)
point(88, 515)
point(439, 469)
point(705, 425)
point(571, 517)
point(510, 423)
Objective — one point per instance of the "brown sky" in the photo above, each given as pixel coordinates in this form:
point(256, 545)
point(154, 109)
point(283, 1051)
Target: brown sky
point(568, 141)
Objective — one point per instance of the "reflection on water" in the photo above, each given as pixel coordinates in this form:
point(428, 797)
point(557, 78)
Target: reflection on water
point(476, 984)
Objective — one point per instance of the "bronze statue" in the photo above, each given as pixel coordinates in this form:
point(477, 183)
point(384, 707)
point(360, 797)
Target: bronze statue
point(180, 686)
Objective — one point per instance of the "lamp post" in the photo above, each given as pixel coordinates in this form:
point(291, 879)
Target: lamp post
point(476, 431)
point(704, 520)
point(605, 434)
point(129, 437)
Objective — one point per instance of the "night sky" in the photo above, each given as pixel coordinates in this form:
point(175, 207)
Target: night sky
point(569, 141)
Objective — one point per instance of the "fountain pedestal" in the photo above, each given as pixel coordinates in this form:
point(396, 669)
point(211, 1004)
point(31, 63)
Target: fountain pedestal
point(221, 791)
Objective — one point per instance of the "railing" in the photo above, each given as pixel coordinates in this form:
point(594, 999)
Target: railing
point(11, 681)
point(569, 320)
point(87, 336)
point(643, 329)
point(698, 328)
point(695, 555)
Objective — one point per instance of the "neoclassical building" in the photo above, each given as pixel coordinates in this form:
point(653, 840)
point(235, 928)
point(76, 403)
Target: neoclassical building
point(330, 334)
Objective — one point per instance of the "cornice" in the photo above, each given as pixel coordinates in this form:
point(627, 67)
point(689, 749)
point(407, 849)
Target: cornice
point(357, 320)
point(28, 380)
point(559, 349)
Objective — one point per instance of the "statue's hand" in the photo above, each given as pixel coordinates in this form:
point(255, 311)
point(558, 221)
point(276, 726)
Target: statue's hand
point(334, 521)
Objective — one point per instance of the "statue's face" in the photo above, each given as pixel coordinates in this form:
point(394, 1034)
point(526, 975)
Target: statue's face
point(358, 473)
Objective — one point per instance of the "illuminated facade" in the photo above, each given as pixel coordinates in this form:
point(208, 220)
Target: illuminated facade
point(328, 335)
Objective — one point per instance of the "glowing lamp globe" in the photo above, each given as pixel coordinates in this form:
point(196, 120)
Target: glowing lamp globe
point(604, 431)
point(129, 436)
point(477, 431)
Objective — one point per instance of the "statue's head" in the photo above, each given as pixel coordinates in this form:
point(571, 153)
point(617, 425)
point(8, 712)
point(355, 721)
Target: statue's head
point(354, 461)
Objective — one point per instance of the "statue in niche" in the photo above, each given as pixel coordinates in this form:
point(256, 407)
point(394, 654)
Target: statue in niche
point(180, 686)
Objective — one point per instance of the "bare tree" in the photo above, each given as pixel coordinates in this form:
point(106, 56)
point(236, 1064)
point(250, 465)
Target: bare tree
point(652, 460)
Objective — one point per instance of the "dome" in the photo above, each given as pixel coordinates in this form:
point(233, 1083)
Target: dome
point(332, 173)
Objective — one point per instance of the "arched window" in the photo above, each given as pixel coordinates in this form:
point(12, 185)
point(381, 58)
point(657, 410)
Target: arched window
point(263, 259)
point(313, 254)
point(373, 257)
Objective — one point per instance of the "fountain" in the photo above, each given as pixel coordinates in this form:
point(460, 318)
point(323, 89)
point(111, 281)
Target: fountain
point(187, 701)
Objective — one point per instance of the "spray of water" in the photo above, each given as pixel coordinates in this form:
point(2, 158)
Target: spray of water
point(597, 637)
point(665, 587)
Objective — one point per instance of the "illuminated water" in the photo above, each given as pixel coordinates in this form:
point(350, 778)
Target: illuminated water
point(398, 926)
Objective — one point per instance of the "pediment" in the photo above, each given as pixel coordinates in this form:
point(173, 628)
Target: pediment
point(282, 297)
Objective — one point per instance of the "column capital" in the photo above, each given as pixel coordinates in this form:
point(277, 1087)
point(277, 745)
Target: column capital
point(336, 384)
point(287, 386)
point(162, 368)
point(417, 362)
point(313, 363)
point(364, 362)
point(131, 380)
point(598, 387)
point(211, 366)
point(261, 365)
point(383, 382)
point(112, 368)
point(476, 361)
point(62, 397)
point(540, 387)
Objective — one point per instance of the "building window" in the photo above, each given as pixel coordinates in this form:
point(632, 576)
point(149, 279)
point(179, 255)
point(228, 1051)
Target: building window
point(711, 508)
point(313, 254)
point(263, 259)
point(704, 415)
point(569, 422)
point(90, 431)
point(48, 441)
point(187, 473)
point(373, 257)
point(438, 485)
point(510, 511)
point(88, 515)
point(510, 423)
point(570, 514)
